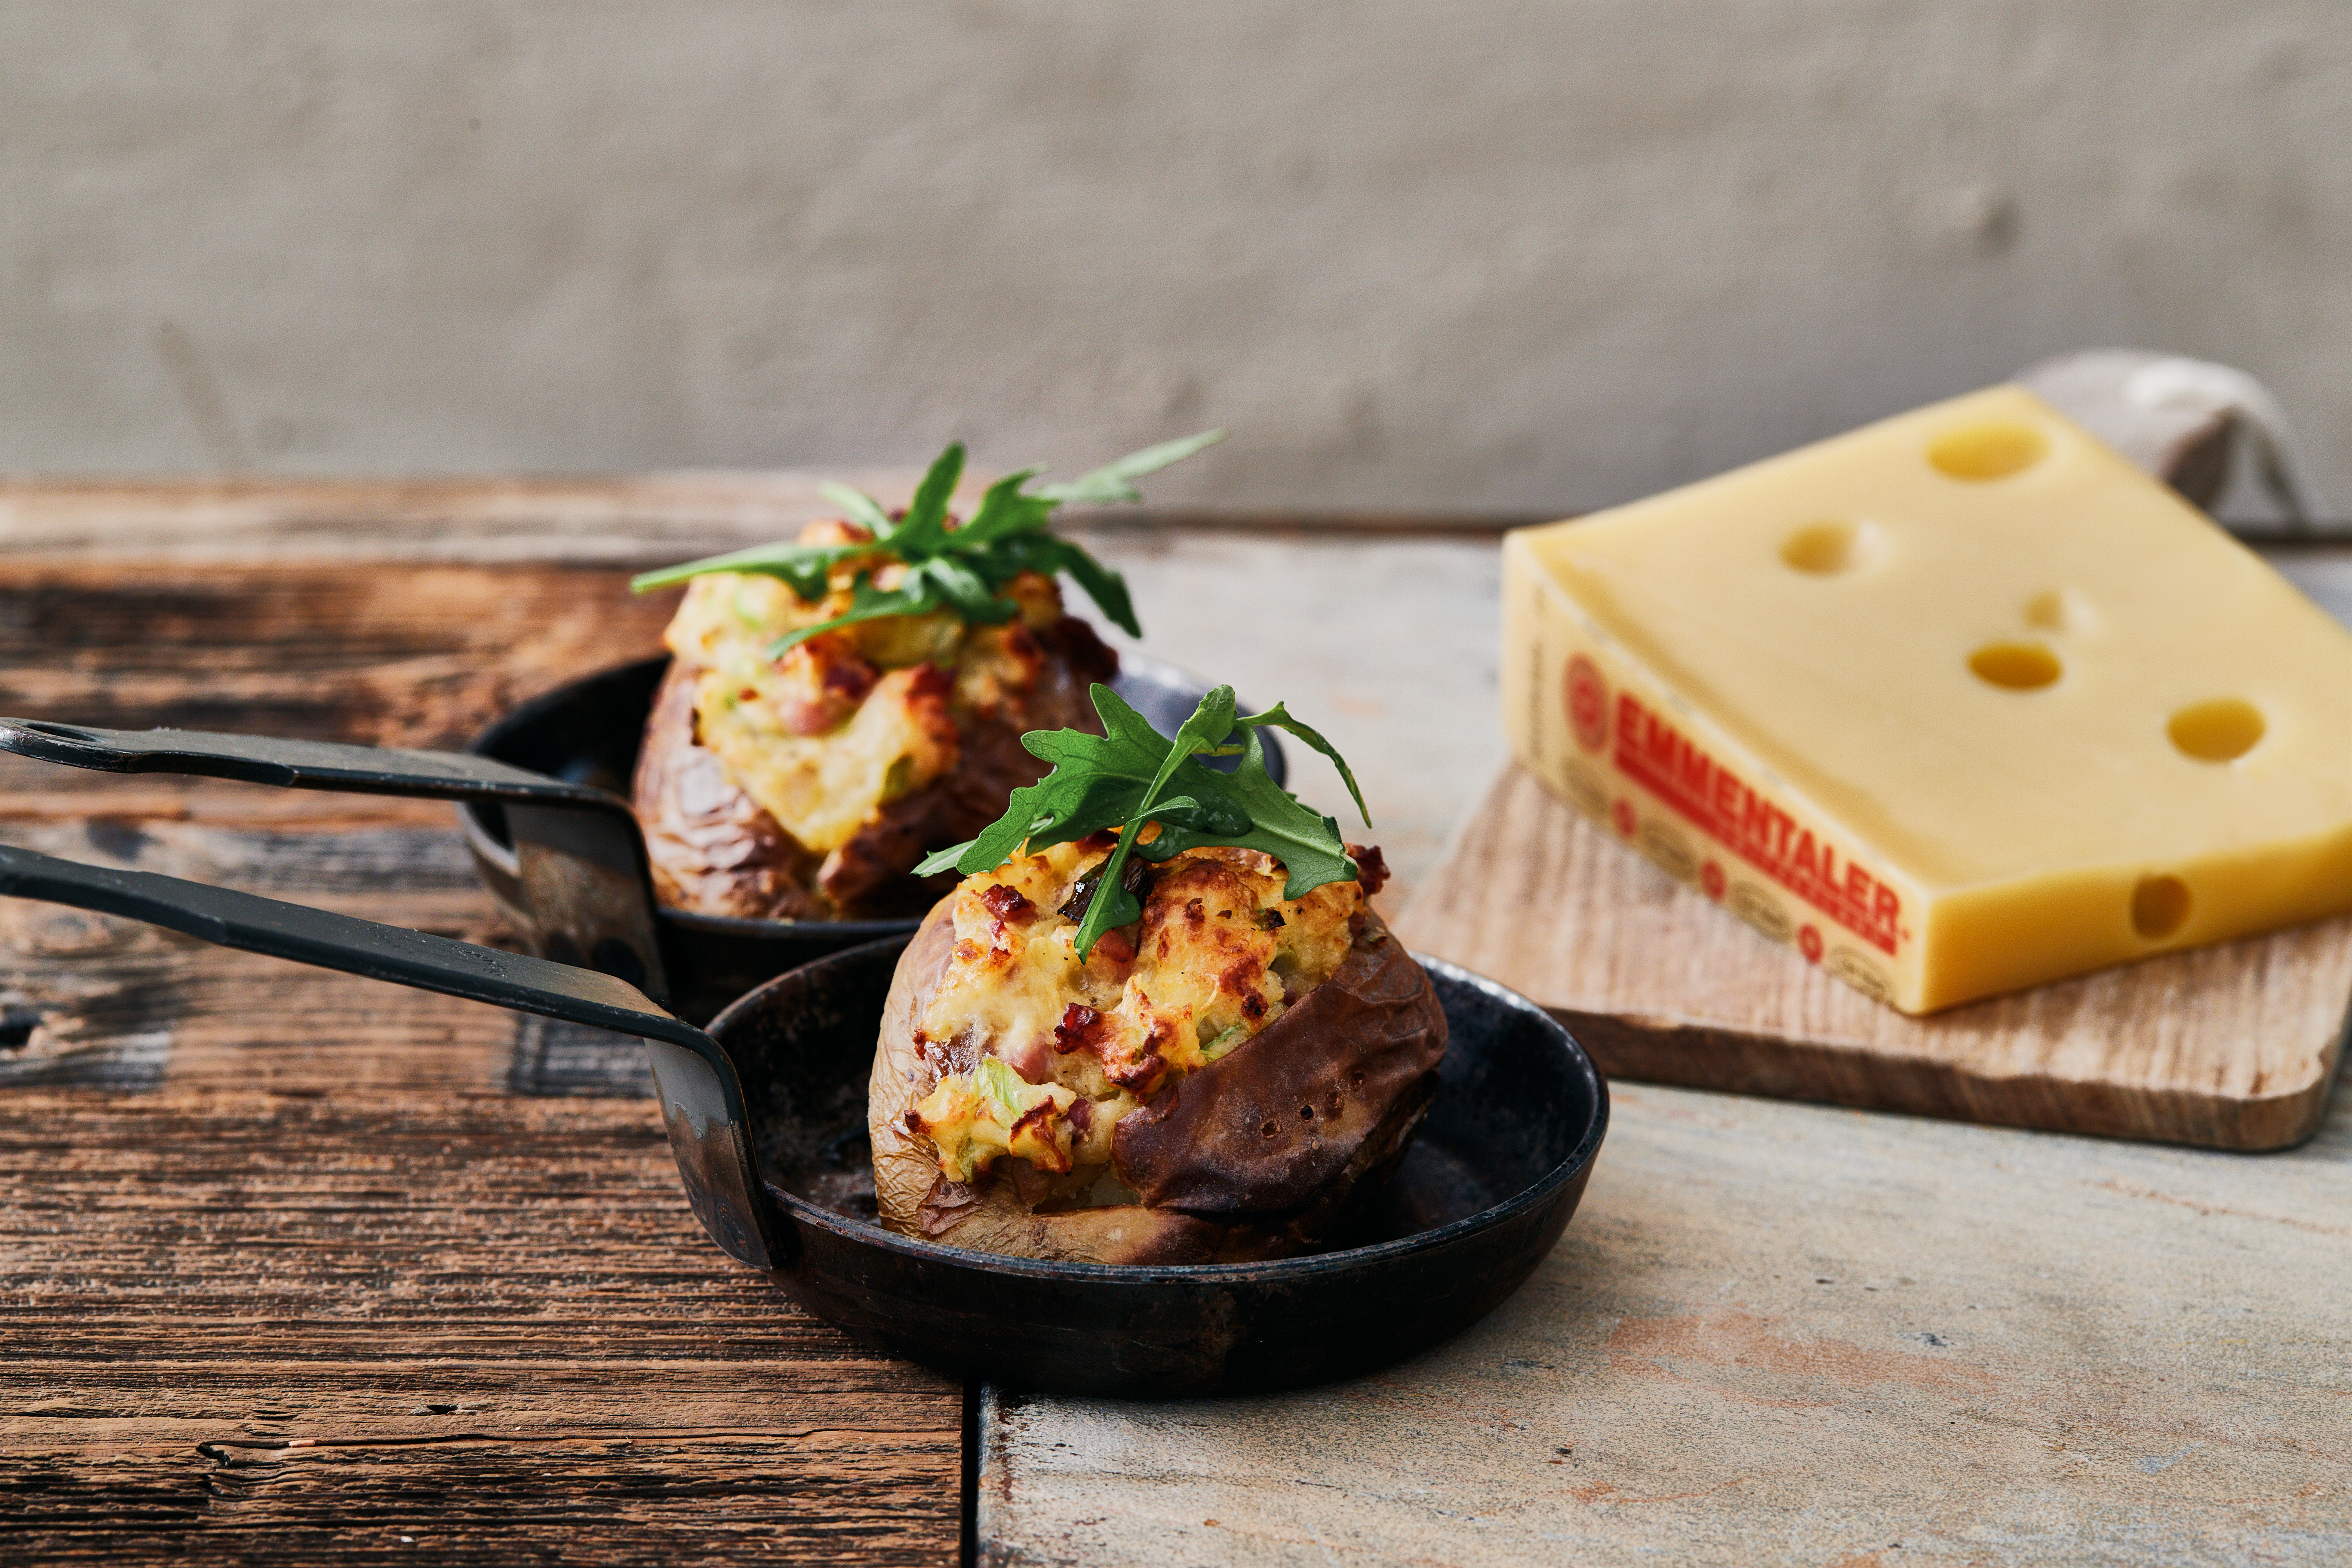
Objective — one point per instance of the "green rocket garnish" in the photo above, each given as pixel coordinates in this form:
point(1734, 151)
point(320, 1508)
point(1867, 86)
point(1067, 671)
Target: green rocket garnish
point(948, 568)
point(1131, 773)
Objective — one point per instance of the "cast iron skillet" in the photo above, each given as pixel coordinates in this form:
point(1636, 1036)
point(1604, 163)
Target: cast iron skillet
point(588, 732)
point(766, 1115)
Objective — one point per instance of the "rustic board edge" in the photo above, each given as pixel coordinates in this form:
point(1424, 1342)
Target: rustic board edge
point(1692, 1055)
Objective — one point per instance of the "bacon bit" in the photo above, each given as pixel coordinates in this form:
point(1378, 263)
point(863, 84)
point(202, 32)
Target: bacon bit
point(1080, 1116)
point(1139, 1074)
point(1029, 1058)
point(1116, 946)
point(1007, 903)
point(1148, 1064)
point(749, 694)
point(1356, 924)
point(836, 530)
point(1080, 1028)
point(850, 678)
point(1102, 838)
point(930, 680)
point(914, 1123)
point(1371, 869)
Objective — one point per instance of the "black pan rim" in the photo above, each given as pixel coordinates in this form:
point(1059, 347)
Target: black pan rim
point(479, 839)
point(1578, 1160)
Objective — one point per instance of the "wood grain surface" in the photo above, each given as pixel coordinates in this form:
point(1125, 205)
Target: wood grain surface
point(1791, 1334)
point(1777, 1332)
point(2231, 1046)
point(299, 1267)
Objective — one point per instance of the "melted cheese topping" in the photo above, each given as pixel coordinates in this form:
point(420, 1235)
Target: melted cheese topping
point(850, 720)
point(1218, 955)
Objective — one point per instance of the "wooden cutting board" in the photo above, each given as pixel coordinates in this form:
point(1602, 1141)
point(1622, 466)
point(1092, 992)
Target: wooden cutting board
point(2227, 1047)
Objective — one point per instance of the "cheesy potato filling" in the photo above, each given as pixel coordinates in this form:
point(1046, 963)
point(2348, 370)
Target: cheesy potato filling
point(1218, 955)
point(989, 1111)
point(852, 719)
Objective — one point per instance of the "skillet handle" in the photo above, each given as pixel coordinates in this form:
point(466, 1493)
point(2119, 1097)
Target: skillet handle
point(584, 893)
point(702, 1098)
point(293, 764)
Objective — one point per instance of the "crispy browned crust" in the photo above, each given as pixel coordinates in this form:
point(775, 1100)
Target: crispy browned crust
point(715, 851)
point(1358, 1053)
point(1284, 1128)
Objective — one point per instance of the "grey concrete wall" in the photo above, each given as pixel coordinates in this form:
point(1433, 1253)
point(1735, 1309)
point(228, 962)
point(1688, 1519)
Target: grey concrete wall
point(1481, 254)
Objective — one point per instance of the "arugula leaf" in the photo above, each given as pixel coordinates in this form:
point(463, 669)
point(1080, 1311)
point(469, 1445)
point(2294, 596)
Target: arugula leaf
point(863, 509)
point(1277, 715)
point(1130, 774)
point(867, 603)
point(961, 569)
point(1110, 482)
point(923, 531)
point(805, 566)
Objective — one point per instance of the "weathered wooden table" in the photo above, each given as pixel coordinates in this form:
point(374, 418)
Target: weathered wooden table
point(298, 1266)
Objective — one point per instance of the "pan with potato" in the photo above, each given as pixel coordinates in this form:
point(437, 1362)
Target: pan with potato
point(1158, 1021)
point(830, 710)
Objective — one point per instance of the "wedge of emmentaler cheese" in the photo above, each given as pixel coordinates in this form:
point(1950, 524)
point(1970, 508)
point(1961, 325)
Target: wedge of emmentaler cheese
point(1957, 704)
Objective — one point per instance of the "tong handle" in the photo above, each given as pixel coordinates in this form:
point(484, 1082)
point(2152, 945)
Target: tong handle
point(294, 765)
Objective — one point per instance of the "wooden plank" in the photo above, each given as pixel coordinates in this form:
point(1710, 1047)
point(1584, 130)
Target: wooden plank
point(298, 1327)
point(615, 519)
point(1781, 1333)
point(2232, 1046)
point(335, 1274)
point(420, 656)
point(638, 518)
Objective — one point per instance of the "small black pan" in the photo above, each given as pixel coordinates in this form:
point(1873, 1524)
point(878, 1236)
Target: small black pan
point(588, 732)
point(766, 1115)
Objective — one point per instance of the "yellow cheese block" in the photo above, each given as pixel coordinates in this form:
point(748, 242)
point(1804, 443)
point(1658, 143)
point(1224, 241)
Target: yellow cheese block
point(1957, 704)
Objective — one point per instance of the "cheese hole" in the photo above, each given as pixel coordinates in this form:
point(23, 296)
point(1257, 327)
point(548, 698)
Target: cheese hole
point(2059, 610)
point(2015, 665)
point(2221, 730)
point(1980, 452)
point(1824, 549)
point(2160, 906)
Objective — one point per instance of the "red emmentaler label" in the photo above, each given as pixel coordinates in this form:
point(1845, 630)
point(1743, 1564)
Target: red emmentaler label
point(1714, 800)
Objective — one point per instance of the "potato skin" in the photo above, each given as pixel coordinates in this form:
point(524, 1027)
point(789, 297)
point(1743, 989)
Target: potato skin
point(1359, 1052)
point(713, 851)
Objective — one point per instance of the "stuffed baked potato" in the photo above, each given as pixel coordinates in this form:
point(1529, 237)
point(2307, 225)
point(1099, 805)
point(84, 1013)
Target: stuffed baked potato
point(838, 706)
point(806, 786)
point(1231, 1074)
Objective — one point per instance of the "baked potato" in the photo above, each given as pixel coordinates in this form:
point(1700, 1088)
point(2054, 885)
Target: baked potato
point(1231, 1077)
point(807, 786)
point(838, 705)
